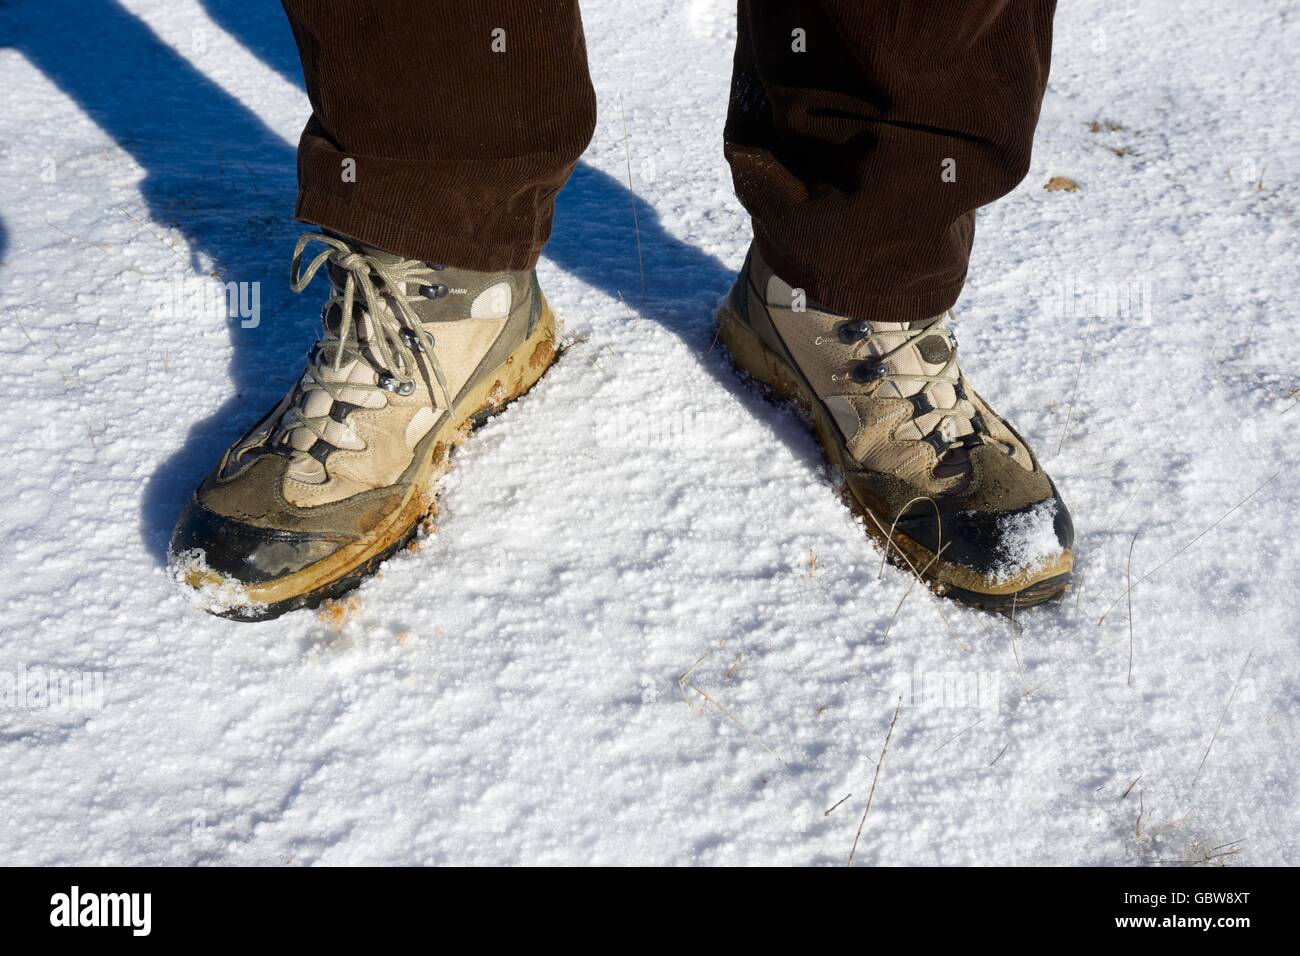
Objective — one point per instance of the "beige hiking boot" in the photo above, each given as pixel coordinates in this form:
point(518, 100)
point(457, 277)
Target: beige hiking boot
point(337, 476)
point(942, 482)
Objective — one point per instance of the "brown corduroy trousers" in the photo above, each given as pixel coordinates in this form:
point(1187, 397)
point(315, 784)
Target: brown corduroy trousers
point(862, 134)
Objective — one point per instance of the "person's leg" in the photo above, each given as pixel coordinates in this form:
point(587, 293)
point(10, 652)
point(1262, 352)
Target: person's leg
point(863, 136)
point(441, 132)
point(461, 121)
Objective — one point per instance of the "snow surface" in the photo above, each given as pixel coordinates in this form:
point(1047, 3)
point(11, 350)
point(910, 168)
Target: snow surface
point(1027, 541)
point(511, 691)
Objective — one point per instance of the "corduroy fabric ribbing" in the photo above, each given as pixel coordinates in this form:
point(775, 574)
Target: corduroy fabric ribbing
point(463, 121)
point(838, 151)
point(845, 116)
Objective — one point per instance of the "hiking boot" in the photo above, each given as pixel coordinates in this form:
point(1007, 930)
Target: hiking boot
point(338, 475)
point(943, 483)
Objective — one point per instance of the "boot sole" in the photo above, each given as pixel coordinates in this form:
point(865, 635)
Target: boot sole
point(346, 568)
point(750, 355)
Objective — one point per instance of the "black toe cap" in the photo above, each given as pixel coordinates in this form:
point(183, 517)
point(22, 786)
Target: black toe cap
point(249, 554)
point(976, 539)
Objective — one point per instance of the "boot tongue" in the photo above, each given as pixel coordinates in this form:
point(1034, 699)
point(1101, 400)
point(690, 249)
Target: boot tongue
point(441, 285)
point(317, 403)
point(925, 354)
point(425, 307)
point(379, 255)
point(374, 252)
point(361, 326)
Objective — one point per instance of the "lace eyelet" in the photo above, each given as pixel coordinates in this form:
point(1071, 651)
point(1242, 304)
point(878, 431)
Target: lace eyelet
point(851, 332)
point(864, 373)
point(390, 384)
point(411, 340)
point(434, 291)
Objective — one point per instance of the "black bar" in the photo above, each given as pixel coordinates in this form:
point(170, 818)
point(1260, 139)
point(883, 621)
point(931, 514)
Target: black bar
point(975, 906)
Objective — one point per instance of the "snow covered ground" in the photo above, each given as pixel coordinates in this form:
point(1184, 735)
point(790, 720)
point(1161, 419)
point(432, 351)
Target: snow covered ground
point(511, 692)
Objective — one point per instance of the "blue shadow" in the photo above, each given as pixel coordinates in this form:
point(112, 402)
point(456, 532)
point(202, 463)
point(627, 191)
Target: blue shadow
point(226, 182)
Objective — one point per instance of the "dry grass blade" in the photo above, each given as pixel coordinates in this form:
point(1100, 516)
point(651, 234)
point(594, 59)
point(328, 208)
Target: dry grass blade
point(889, 538)
point(1217, 522)
point(636, 225)
point(1130, 788)
point(735, 720)
point(1069, 409)
point(910, 585)
point(1215, 735)
point(682, 682)
point(101, 247)
point(889, 543)
point(1015, 649)
point(955, 736)
point(713, 344)
point(1128, 575)
point(1222, 845)
point(837, 805)
point(1132, 498)
point(1209, 856)
point(875, 780)
point(1069, 665)
point(626, 307)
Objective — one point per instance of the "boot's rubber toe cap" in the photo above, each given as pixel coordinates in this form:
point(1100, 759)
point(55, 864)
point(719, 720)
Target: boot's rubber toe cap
point(978, 540)
point(245, 552)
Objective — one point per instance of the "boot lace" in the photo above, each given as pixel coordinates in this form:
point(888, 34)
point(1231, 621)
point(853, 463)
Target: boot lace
point(959, 423)
point(394, 336)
